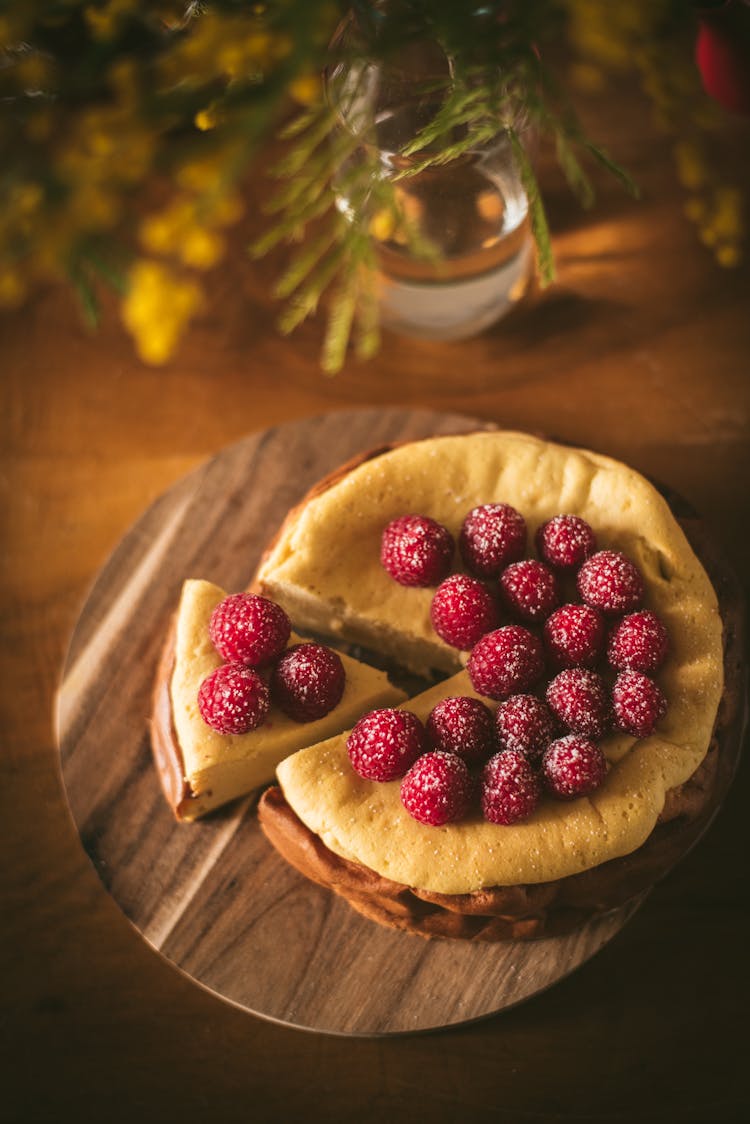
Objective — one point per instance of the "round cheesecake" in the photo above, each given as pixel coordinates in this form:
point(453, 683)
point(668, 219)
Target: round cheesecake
point(568, 860)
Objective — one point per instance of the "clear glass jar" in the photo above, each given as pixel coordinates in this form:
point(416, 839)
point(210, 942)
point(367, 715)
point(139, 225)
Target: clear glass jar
point(472, 210)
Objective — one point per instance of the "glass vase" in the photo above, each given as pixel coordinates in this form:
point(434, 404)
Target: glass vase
point(466, 257)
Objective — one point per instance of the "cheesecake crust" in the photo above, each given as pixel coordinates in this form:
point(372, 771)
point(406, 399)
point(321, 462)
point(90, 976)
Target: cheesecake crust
point(165, 745)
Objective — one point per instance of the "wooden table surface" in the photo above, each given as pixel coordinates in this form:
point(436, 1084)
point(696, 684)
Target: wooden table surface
point(642, 350)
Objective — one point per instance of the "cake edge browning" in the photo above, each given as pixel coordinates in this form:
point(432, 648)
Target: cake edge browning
point(165, 746)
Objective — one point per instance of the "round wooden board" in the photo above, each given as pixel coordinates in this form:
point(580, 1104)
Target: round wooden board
point(213, 897)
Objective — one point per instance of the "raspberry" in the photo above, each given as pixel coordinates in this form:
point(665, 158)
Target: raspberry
point(247, 628)
point(611, 582)
point(510, 788)
point(639, 643)
point(385, 744)
point(573, 766)
point(574, 636)
point(580, 700)
point(462, 611)
point(437, 788)
point(565, 541)
point(492, 535)
point(463, 726)
point(525, 724)
point(308, 681)
point(638, 703)
point(416, 551)
point(529, 589)
point(505, 661)
point(233, 699)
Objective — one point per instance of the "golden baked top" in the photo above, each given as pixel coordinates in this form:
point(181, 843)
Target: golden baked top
point(331, 550)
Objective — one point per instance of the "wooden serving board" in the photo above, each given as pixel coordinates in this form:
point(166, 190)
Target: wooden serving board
point(213, 897)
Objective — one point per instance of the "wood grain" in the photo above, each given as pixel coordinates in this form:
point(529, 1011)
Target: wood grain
point(213, 897)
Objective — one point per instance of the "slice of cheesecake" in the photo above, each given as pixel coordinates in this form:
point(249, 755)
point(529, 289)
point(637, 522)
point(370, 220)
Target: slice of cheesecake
point(201, 769)
point(480, 881)
point(365, 822)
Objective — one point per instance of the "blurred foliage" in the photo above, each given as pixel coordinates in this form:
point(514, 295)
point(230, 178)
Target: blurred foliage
point(102, 99)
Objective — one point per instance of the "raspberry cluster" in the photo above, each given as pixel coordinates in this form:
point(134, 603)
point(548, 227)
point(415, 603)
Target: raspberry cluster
point(251, 633)
point(590, 662)
point(463, 751)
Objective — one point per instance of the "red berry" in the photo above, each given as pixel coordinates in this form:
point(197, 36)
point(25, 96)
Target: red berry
point(638, 703)
point(721, 49)
point(526, 724)
point(437, 788)
point(565, 541)
point(639, 643)
point(385, 744)
point(308, 681)
point(529, 589)
point(505, 661)
point(580, 700)
point(574, 636)
point(247, 628)
point(492, 535)
point(233, 699)
point(462, 611)
point(510, 788)
point(463, 726)
point(416, 551)
point(611, 582)
point(573, 766)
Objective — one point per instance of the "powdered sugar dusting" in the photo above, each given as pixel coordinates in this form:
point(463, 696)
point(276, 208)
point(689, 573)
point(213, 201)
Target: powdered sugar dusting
point(574, 636)
point(385, 743)
point(437, 788)
point(611, 582)
point(308, 681)
point(492, 536)
point(505, 661)
point(464, 726)
point(565, 541)
point(638, 703)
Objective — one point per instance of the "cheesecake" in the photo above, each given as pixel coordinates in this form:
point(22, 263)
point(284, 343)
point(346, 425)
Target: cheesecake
point(569, 860)
point(201, 768)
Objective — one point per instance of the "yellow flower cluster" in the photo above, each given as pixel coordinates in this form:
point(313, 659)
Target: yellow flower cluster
point(105, 18)
point(223, 46)
point(158, 304)
point(84, 164)
point(605, 32)
point(187, 228)
point(719, 217)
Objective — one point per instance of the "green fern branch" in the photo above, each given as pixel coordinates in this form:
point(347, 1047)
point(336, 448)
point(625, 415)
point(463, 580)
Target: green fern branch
point(306, 261)
point(537, 214)
point(478, 135)
point(339, 327)
point(305, 301)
